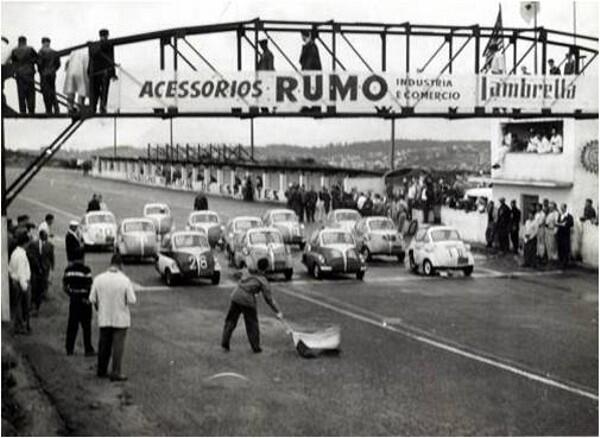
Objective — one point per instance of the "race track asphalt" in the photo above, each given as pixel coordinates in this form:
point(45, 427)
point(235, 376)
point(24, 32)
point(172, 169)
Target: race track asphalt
point(506, 352)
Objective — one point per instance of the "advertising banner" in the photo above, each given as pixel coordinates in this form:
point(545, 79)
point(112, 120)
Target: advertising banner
point(353, 92)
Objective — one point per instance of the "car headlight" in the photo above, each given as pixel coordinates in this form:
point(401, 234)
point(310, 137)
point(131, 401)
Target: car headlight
point(321, 258)
point(174, 266)
point(361, 258)
point(467, 247)
point(245, 251)
point(301, 226)
point(217, 266)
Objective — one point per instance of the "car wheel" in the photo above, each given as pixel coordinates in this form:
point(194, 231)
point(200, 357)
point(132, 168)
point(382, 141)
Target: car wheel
point(401, 257)
point(360, 275)
point(366, 254)
point(413, 265)
point(169, 278)
point(468, 271)
point(289, 273)
point(216, 278)
point(428, 268)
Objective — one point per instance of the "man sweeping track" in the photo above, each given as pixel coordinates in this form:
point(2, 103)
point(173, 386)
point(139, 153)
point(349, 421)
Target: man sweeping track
point(243, 301)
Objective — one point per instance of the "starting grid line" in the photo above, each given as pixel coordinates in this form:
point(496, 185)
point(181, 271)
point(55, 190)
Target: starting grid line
point(496, 363)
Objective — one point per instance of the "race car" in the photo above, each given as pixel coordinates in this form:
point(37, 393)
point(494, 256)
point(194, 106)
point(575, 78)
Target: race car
point(160, 214)
point(98, 229)
point(235, 230)
point(344, 218)
point(137, 238)
point(264, 242)
point(187, 255)
point(377, 235)
point(333, 250)
point(439, 248)
point(209, 222)
point(287, 222)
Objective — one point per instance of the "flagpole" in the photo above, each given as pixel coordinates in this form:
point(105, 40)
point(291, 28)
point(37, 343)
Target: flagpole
point(535, 58)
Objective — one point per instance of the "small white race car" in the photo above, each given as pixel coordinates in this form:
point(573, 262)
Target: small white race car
point(98, 229)
point(439, 248)
point(268, 243)
point(377, 235)
point(235, 230)
point(161, 215)
point(186, 255)
point(344, 218)
point(287, 223)
point(137, 238)
point(208, 222)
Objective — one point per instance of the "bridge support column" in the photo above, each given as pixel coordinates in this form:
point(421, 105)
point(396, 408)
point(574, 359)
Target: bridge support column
point(207, 178)
point(282, 184)
point(322, 181)
point(264, 180)
point(194, 177)
point(220, 181)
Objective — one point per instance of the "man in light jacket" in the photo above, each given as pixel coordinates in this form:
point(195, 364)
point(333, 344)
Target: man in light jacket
point(19, 274)
point(112, 294)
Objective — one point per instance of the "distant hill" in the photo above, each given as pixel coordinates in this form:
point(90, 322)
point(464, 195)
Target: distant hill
point(447, 155)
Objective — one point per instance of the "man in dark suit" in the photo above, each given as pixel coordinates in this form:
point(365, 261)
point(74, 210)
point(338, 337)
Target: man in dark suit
point(101, 70)
point(309, 58)
point(563, 236)
point(503, 225)
point(24, 59)
point(48, 65)
point(73, 243)
point(40, 254)
point(265, 60)
point(515, 222)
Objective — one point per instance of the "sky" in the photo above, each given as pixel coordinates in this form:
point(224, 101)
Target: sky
point(71, 23)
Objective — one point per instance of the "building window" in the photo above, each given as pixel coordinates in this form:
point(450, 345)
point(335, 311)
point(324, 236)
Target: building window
point(533, 137)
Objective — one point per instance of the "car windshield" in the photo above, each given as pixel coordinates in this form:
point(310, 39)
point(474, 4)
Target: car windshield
point(246, 224)
point(138, 226)
point(101, 219)
point(189, 240)
point(381, 224)
point(444, 235)
point(157, 210)
point(265, 237)
point(205, 217)
point(347, 216)
point(336, 237)
point(284, 217)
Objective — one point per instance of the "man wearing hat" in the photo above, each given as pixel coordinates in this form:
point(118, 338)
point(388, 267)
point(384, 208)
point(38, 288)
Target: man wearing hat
point(73, 243)
point(309, 58)
point(77, 282)
point(24, 58)
point(48, 65)
point(265, 59)
point(101, 70)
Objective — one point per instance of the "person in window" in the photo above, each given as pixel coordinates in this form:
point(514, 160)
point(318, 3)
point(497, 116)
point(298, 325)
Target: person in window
point(309, 57)
point(534, 143)
point(544, 146)
point(505, 147)
point(554, 69)
point(556, 142)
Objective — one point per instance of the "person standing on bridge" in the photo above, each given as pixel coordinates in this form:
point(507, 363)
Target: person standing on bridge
point(101, 71)
point(48, 65)
point(112, 294)
point(73, 242)
point(77, 282)
point(265, 59)
point(24, 58)
point(243, 301)
point(309, 57)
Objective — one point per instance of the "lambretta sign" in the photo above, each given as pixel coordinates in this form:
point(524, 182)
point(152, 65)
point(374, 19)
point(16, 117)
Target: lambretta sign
point(358, 92)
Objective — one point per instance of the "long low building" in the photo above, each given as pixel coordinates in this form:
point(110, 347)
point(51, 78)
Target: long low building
point(220, 177)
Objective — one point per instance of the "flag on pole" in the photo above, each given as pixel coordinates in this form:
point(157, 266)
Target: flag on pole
point(495, 45)
point(529, 10)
